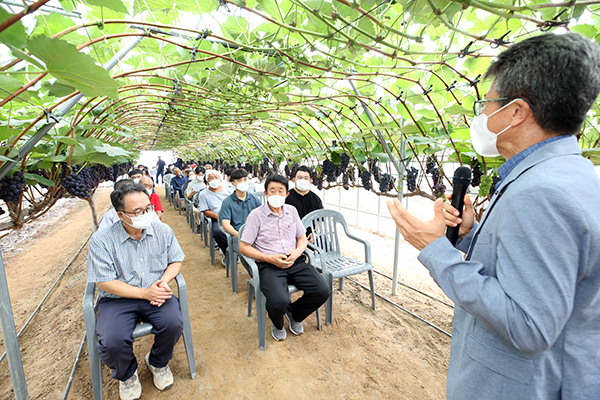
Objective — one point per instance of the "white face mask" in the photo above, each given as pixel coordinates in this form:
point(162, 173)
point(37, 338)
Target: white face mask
point(192, 177)
point(484, 140)
point(149, 192)
point(141, 221)
point(136, 180)
point(243, 187)
point(302, 184)
point(215, 183)
point(200, 178)
point(276, 200)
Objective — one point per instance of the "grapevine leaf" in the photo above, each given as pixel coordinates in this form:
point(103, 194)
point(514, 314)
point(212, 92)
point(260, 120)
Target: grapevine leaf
point(39, 178)
point(115, 5)
point(71, 67)
point(15, 34)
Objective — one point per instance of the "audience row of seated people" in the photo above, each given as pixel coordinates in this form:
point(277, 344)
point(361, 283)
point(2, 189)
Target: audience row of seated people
point(133, 256)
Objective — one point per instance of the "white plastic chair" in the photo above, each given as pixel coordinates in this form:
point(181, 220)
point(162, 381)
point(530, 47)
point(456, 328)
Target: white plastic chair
point(328, 258)
point(261, 301)
point(89, 314)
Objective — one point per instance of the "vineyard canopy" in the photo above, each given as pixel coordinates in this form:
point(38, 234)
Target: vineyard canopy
point(240, 81)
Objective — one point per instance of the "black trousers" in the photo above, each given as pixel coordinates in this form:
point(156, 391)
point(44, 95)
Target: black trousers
point(114, 326)
point(274, 283)
point(219, 236)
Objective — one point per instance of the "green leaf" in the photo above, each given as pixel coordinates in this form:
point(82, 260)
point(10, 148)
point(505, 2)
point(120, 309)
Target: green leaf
point(111, 151)
point(9, 84)
point(51, 24)
point(71, 67)
point(15, 34)
point(457, 109)
point(115, 5)
point(24, 56)
point(6, 132)
point(57, 89)
point(39, 178)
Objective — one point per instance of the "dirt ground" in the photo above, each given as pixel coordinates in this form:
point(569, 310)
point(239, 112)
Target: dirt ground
point(365, 354)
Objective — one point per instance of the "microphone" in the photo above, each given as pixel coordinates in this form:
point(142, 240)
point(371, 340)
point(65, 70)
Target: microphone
point(460, 184)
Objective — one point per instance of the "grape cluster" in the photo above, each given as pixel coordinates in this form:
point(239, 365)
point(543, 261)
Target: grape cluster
point(411, 179)
point(477, 172)
point(76, 186)
point(90, 177)
point(331, 170)
point(432, 169)
point(265, 170)
point(387, 183)
point(12, 187)
point(346, 180)
point(317, 179)
point(295, 167)
point(248, 168)
point(439, 190)
point(345, 161)
point(365, 177)
point(375, 170)
point(288, 171)
point(495, 180)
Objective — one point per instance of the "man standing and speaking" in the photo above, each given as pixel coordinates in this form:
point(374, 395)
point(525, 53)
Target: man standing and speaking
point(527, 316)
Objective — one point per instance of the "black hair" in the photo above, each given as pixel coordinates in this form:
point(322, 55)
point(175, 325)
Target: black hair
point(229, 170)
point(559, 75)
point(117, 197)
point(119, 184)
point(239, 174)
point(276, 178)
point(200, 170)
point(135, 171)
point(302, 168)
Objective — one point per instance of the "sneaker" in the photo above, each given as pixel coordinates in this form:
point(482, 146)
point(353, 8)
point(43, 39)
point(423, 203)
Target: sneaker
point(295, 327)
point(163, 377)
point(278, 334)
point(131, 389)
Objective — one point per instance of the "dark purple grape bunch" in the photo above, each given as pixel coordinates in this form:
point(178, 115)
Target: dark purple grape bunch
point(439, 190)
point(317, 179)
point(344, 162)
point(265, 170)
point(432, 169)
point(375, 170)
point(477, 172)
point(288, 170)
point(330, 170)
point(11, 187)
point(76, 186)
point(365, 177)
point(411, 179)
point(387, 183)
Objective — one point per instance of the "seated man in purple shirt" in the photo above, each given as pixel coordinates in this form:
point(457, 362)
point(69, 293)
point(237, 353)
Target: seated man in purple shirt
point(275, 237)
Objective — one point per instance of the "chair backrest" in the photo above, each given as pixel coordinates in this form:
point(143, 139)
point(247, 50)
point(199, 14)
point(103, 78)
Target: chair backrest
point(242, 257)
point(324, 229)
point(261, 196)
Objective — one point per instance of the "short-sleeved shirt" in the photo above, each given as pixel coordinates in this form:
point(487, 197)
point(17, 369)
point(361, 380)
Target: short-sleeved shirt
point(114, 255)
point(160, 165)
point(195, 185)
point(270, 233)
point(304, 204)
point(209, 200)
point(155, 201)
point(178, 182)
point(236, 210)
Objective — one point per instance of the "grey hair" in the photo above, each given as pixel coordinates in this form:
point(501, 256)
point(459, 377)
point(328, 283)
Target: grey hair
point(559, 75)
point(117, 197)
point(209, 173)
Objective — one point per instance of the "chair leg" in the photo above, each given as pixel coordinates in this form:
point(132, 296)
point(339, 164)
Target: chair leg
point(233, 264)
point(329, 302)
point(250, 298)
point(95, 366)
point(341, 283)
point(372, 284)
point(226, 258)
point(188, 343)
point(318, 318)
point(212, 250)
point(261, 319)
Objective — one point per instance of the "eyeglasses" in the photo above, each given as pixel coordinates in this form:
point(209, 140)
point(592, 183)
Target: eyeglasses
point(480, 104)
point(139, 212)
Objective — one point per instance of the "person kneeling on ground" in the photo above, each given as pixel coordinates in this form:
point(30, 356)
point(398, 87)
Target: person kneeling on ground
point(274, 237)
point(132, 261)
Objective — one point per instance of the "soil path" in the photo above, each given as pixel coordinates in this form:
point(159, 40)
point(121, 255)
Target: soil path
point(366, 354)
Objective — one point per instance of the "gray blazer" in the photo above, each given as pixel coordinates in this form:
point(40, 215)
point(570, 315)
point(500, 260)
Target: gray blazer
point(527, 317)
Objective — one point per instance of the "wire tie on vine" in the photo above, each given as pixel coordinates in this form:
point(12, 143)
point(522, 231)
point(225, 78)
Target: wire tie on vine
point(194, 53)
point(475, 81)
point(353, 107)
point(340, 110)
point(378, 102)
point(467, 50)
point(399, 97)
point(501, 41)
point(554, 22)
point(451, 86)
point(50, 116)
point(428, 90)
point(223, 4)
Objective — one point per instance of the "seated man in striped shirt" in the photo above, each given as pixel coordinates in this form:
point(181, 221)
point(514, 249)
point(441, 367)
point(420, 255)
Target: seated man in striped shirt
point(274, 236)
point(132, 261)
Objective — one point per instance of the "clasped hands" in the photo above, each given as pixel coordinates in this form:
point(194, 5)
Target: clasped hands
point(284, 261)
point(158, 293)
point(420, 233)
